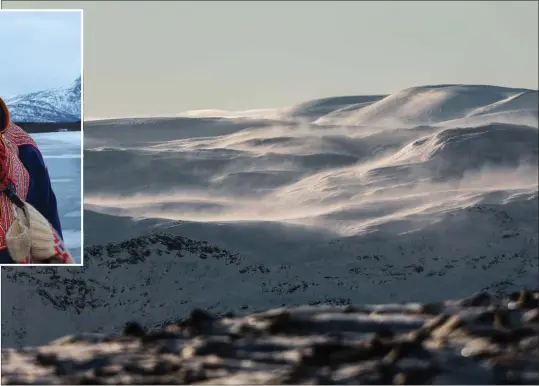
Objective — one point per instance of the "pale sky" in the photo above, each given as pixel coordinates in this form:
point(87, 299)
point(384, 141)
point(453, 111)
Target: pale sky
point(162, 58)
point(38, 50)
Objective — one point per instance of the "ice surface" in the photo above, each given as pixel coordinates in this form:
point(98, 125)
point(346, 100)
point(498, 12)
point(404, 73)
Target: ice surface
point(62, 154)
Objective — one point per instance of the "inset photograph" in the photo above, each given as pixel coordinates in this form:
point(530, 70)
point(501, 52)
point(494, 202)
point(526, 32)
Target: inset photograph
point(41, 137)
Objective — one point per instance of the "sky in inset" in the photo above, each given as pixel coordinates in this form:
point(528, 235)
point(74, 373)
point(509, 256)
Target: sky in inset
point(38, 50)
point(158, 58)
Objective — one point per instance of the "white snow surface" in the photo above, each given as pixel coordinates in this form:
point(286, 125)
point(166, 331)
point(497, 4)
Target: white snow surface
point(426, 194)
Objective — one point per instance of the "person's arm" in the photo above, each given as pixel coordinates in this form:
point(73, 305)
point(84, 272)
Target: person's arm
point(40, 193)
point(5, 258)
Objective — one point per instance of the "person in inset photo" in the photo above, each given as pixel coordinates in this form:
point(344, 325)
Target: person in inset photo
point(30, 229)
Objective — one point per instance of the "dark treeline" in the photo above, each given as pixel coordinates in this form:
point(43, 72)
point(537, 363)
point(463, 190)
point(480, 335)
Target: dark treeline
point(49, 127)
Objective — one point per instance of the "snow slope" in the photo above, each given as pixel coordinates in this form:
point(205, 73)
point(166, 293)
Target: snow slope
point(430, 193)
point(437, 105)
point(57, 105)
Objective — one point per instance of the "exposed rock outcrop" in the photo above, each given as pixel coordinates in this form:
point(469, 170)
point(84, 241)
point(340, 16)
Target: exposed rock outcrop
point(478, 340)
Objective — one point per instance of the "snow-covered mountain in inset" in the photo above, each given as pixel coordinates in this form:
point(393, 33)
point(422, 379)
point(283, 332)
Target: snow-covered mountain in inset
point(60, 105)
point(429, 193)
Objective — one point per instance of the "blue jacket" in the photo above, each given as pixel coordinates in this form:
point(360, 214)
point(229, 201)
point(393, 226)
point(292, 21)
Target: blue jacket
point(39, 193)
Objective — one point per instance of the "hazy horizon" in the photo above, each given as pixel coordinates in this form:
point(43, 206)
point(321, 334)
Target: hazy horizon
point(240, 56)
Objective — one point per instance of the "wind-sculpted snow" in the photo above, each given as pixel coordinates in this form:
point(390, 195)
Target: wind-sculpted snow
point(429, 105)
point(58, 105)
point(318, 108)
point(251, 213)
point(162, 275)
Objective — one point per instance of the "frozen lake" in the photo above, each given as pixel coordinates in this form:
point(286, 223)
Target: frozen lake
point(62, 154)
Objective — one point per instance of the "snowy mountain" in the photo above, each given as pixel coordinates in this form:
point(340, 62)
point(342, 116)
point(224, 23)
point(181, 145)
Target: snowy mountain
point(60, 105)
point(427, 194)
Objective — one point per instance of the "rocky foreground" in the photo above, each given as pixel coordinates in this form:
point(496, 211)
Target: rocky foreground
point(477, 340)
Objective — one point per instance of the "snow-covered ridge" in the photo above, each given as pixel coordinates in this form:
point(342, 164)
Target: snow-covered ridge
point(429, 194)
point(162, 275)
point(436, 105)
point(422, 105)
point(60, 105)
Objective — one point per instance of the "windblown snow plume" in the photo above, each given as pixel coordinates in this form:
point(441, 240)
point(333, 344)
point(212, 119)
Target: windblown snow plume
point(429, 193)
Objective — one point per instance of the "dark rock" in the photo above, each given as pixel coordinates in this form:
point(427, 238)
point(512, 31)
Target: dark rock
point(471, 341)
point(134, 329)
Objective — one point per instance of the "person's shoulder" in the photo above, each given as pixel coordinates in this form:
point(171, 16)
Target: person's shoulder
point(18, 137)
